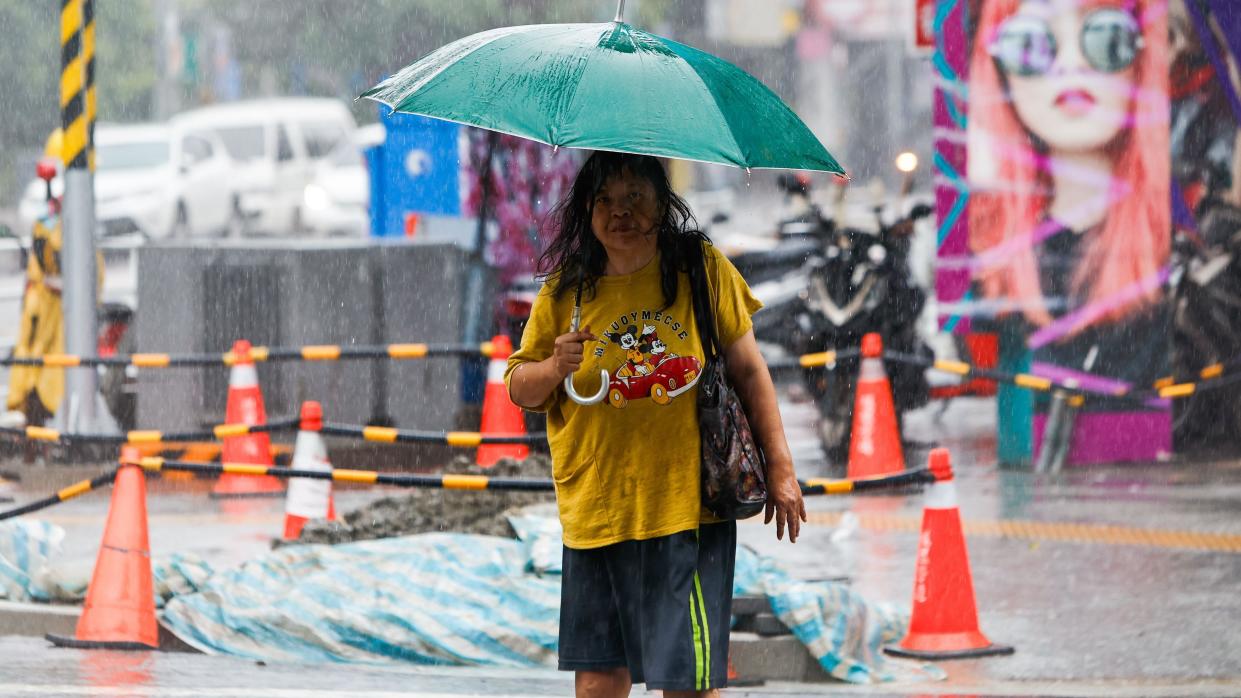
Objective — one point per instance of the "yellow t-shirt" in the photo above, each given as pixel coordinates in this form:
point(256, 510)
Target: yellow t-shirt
point(627, 468)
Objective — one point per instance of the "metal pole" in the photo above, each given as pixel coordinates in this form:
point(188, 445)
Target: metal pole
point(620, 11)
point(78, 221)
point(478, 263)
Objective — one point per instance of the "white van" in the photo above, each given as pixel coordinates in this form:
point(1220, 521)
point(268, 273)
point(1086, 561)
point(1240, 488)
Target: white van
point(153, 181)
point(276, 144)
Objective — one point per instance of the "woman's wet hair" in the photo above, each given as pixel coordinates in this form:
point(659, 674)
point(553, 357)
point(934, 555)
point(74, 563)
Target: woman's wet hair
point(576, 256)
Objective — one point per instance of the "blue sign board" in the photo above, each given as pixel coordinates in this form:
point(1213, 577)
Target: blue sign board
point(414, 171)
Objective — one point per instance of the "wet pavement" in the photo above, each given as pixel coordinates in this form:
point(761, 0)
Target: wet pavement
point(1111, 581)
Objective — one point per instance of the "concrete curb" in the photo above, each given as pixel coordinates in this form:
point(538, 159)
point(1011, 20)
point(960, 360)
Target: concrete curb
point(39, 619)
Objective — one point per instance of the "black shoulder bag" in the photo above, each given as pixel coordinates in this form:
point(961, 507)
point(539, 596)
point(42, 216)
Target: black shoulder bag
point(734, 479)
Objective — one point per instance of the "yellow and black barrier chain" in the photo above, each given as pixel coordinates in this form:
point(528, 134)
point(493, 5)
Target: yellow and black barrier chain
point(220, 431)
point(822, 359)
point(462, 439)
point(918, 476)
point(336, 352)
point(1215, 377)
point(318, 352)
point(447, 481)
point(62, 495)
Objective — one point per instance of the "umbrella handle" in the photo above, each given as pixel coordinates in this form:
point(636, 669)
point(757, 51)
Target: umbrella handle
point(593, 399)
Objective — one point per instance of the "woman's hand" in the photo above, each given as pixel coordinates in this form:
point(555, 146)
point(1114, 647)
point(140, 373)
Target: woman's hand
point(784, 502)
point(567, 354)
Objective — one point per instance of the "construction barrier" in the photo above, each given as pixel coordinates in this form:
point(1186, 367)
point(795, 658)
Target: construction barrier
point(814, 486)
point(149, 436)
point(260, 354)
point(338, 352)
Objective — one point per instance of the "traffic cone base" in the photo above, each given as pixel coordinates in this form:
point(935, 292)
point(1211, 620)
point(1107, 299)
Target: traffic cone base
point(941, 646)
point(500, 415)
point(119, 612)
point(944, 622)
point(875, 446)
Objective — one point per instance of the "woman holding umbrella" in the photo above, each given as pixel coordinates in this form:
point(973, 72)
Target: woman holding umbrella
point(647, 571)
point(647, 577)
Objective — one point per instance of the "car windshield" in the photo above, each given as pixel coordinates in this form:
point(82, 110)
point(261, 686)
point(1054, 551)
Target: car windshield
point(131, 156)
point(321, 137)
point(243, 142)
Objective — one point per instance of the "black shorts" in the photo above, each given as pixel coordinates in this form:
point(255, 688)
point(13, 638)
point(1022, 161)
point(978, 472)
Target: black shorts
point(660, 607)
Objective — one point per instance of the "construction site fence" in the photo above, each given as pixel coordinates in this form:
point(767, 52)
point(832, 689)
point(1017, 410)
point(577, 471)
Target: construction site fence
point(897, 482)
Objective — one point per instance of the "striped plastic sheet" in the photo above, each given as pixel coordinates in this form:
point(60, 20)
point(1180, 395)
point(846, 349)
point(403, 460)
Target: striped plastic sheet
point(443, 598)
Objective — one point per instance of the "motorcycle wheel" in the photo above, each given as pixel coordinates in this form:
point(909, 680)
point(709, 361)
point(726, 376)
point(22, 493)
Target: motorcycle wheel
point(836, 421)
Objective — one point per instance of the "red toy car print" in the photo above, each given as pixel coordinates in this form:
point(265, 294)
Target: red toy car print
point(671, 377)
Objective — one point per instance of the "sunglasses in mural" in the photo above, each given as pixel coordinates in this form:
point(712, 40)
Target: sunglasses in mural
point(1026, 46)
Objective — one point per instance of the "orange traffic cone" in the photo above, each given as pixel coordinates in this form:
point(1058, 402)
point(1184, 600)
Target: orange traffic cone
point(944, 624)
point(120, 604)
point(500, 415)
point(308, 498)
point(245, 406)
point(875, 448)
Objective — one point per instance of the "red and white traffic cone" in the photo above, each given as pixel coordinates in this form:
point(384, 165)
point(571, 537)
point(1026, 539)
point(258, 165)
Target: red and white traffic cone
point(944, 624)
point(119, 613)
point(245, 406)
point(875, 448)
point(500, 415)
point(308, 498)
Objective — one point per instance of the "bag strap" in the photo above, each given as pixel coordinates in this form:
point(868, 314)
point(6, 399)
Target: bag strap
point(704, 314)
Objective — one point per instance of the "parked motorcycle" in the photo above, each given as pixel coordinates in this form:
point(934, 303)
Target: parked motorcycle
point(853, 282)
point(1205, 292)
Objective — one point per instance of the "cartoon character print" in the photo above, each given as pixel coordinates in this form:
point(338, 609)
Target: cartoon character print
point(635, 362)
point(649, 369)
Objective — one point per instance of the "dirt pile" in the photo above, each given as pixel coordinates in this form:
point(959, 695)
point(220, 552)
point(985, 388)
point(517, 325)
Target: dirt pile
point(428, 510)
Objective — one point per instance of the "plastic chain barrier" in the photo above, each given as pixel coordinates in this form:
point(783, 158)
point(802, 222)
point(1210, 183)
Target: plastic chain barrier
point(1214, 378)
point(815, 486)
point(220, 431)
point(336, 352)
point(463, 439)
point(62, 495)
point(822, 359)
point(920, 476)
point(321, 352)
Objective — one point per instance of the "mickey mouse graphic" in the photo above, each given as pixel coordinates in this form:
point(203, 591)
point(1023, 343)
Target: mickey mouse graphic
point(653, 345)
point(649, 369)
point(635, 362)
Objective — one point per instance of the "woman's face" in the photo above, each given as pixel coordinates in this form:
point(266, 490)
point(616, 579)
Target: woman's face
point(1073, 106)
point(626, 214)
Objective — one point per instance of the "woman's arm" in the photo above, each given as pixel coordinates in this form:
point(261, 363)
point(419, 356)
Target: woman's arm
point(748, 375)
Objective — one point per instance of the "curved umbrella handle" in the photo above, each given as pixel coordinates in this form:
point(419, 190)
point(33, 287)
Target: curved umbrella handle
point(592, 400)
point(574, 323)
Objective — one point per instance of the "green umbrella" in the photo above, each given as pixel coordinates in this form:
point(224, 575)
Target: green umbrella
point(607, 86)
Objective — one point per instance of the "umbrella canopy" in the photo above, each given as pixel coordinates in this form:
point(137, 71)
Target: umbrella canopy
point(607, 87)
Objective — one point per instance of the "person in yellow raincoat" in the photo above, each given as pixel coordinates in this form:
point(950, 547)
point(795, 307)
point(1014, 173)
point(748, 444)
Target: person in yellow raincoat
point(36, 391)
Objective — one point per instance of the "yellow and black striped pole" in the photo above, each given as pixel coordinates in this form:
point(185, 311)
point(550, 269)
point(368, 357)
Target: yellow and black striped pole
point(88, 57)
point(73, 118)
point(78, 263)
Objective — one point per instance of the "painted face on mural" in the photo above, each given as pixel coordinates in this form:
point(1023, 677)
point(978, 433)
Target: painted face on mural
point(1070, 68)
